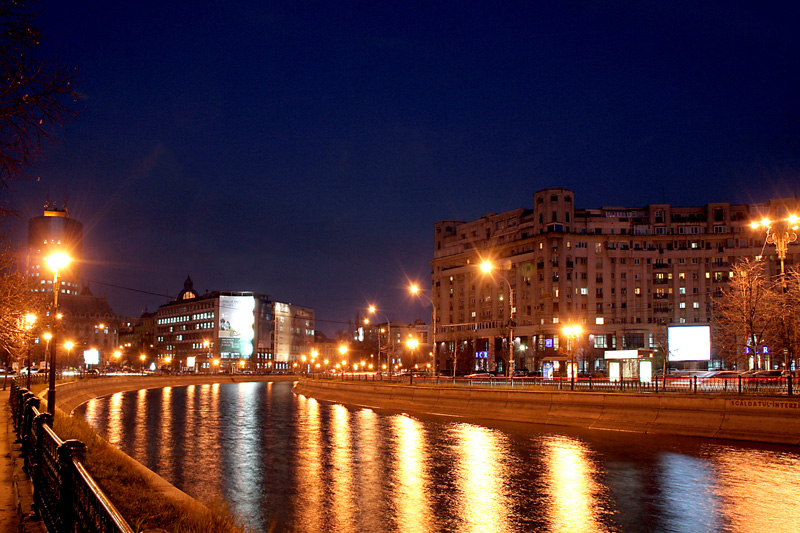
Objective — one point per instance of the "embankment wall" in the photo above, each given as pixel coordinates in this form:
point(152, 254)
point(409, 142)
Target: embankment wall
point(751, 418)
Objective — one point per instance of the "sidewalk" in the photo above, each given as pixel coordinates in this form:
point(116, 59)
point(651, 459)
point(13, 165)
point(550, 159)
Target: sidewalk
point(16, 495)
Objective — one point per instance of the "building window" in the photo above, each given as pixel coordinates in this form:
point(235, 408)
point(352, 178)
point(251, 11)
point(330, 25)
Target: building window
point(599, 321)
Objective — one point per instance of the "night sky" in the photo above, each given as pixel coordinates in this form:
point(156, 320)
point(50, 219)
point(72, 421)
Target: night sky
point(305, 149)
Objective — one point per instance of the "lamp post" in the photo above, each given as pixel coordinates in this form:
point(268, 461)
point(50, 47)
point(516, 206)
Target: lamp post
point(69, 345)
point(781, 233)
point(416, 290)
point(572, 333)
point(343, 351)
point(56, 262)
point(487, 268)
point(390, 343)
point(30, 320)
point(412, 345)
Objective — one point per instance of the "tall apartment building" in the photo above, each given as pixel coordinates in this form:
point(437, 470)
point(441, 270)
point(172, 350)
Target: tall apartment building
point(622, 273)
point(242, 330)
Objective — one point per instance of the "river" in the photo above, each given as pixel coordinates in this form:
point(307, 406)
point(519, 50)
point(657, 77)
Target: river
point(293, 463)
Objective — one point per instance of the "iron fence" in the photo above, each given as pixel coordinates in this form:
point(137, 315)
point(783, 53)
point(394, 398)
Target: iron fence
point(65, 496)
point(735, 385)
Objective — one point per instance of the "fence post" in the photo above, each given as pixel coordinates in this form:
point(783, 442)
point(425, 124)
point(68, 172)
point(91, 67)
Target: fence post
point(694, 384)
point(740, 383)
point(66, 471)
point(789, 384)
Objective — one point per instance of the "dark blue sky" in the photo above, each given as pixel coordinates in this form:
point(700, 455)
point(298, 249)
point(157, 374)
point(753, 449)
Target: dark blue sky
point(305, 149)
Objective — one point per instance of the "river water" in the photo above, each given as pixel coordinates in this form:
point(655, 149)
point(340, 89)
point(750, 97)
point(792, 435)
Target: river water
point(293, 463)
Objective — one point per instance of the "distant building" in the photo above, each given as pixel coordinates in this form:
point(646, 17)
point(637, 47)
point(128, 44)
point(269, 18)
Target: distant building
point(53, 232)
point(623, 273)
point(243, 331)
point(88, 321)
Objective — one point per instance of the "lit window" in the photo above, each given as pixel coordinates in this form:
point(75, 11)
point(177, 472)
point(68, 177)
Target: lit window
point(599, 321)
point(696, 305)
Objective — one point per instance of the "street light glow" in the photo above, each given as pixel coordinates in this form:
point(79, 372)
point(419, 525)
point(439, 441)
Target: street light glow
point(57, 261)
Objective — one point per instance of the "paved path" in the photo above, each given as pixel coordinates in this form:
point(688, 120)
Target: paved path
point(15, 486)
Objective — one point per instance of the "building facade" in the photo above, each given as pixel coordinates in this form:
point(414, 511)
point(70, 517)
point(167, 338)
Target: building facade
point(622, 273)
point(231, 331)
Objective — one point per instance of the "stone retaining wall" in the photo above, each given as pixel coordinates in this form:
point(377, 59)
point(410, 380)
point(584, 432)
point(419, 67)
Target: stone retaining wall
point(752, 418)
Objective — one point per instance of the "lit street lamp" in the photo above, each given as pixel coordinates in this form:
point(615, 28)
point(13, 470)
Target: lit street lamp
point(412, 345)
point(56, 262)
point(572, 333)
point(389, 344)
point(781, 233)
point(416, 290)
point(487, 268)
point(69, 345)
point(30, 320)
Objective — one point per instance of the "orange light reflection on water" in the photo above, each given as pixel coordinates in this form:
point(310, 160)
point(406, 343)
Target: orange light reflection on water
point(114, 431)
point(744, 476)
point(411, 494)
point(311, 497)
point(484, 504)
point(165, 460)
point(574, 494)
point(344, 505)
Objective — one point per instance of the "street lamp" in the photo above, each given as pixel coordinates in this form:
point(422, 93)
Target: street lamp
point(572, 333)
point(56, 262)
point(488, 268)
point(389, 344)
point(142, 357)
point(416, 290)
point(30, 320)
point(780, 233)
point(69, 345)
point(412, 345)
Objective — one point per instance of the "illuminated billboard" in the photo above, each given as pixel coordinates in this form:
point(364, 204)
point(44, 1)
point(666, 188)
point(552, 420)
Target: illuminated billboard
point(689, 343)
point(91, 357)
point(236, 321)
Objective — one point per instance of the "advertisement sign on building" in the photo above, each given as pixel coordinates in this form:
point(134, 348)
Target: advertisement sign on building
point(236, 321)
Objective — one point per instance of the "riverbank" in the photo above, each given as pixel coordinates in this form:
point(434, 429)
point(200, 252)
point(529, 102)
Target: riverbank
point(757, 419)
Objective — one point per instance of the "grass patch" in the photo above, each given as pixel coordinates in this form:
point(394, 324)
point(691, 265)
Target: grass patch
point(130, 491)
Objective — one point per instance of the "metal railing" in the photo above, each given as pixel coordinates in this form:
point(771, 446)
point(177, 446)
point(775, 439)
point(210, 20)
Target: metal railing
point(65, 496)
point(738, 385)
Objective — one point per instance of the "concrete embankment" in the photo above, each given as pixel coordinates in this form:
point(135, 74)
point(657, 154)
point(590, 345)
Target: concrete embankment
point(751, 418)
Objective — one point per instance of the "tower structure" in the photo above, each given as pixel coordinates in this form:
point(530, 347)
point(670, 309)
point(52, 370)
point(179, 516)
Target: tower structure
point(54, 232)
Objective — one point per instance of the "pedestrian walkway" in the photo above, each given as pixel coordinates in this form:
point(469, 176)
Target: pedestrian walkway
point(16, 497)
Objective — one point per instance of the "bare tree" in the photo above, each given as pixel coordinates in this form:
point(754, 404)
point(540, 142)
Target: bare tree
point(36, 95)
point(16, 300)
point(745, 315)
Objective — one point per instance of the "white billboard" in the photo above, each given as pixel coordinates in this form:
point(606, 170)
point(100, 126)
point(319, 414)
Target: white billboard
point(236, 322)
point(91, 357)
point(689, 343)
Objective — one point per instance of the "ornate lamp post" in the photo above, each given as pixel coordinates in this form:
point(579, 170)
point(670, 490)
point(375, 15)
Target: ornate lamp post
point(415, 290)
point(487, 268)
point(572, 333)
point(780, 233)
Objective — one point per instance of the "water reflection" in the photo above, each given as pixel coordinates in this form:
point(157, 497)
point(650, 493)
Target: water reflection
point(290, 463)
point(575, 495)
point(480, 456)
point(410, 494)
point(764, 496)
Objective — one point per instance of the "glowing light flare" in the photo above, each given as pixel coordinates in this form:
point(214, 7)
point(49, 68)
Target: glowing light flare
point(57, 261)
